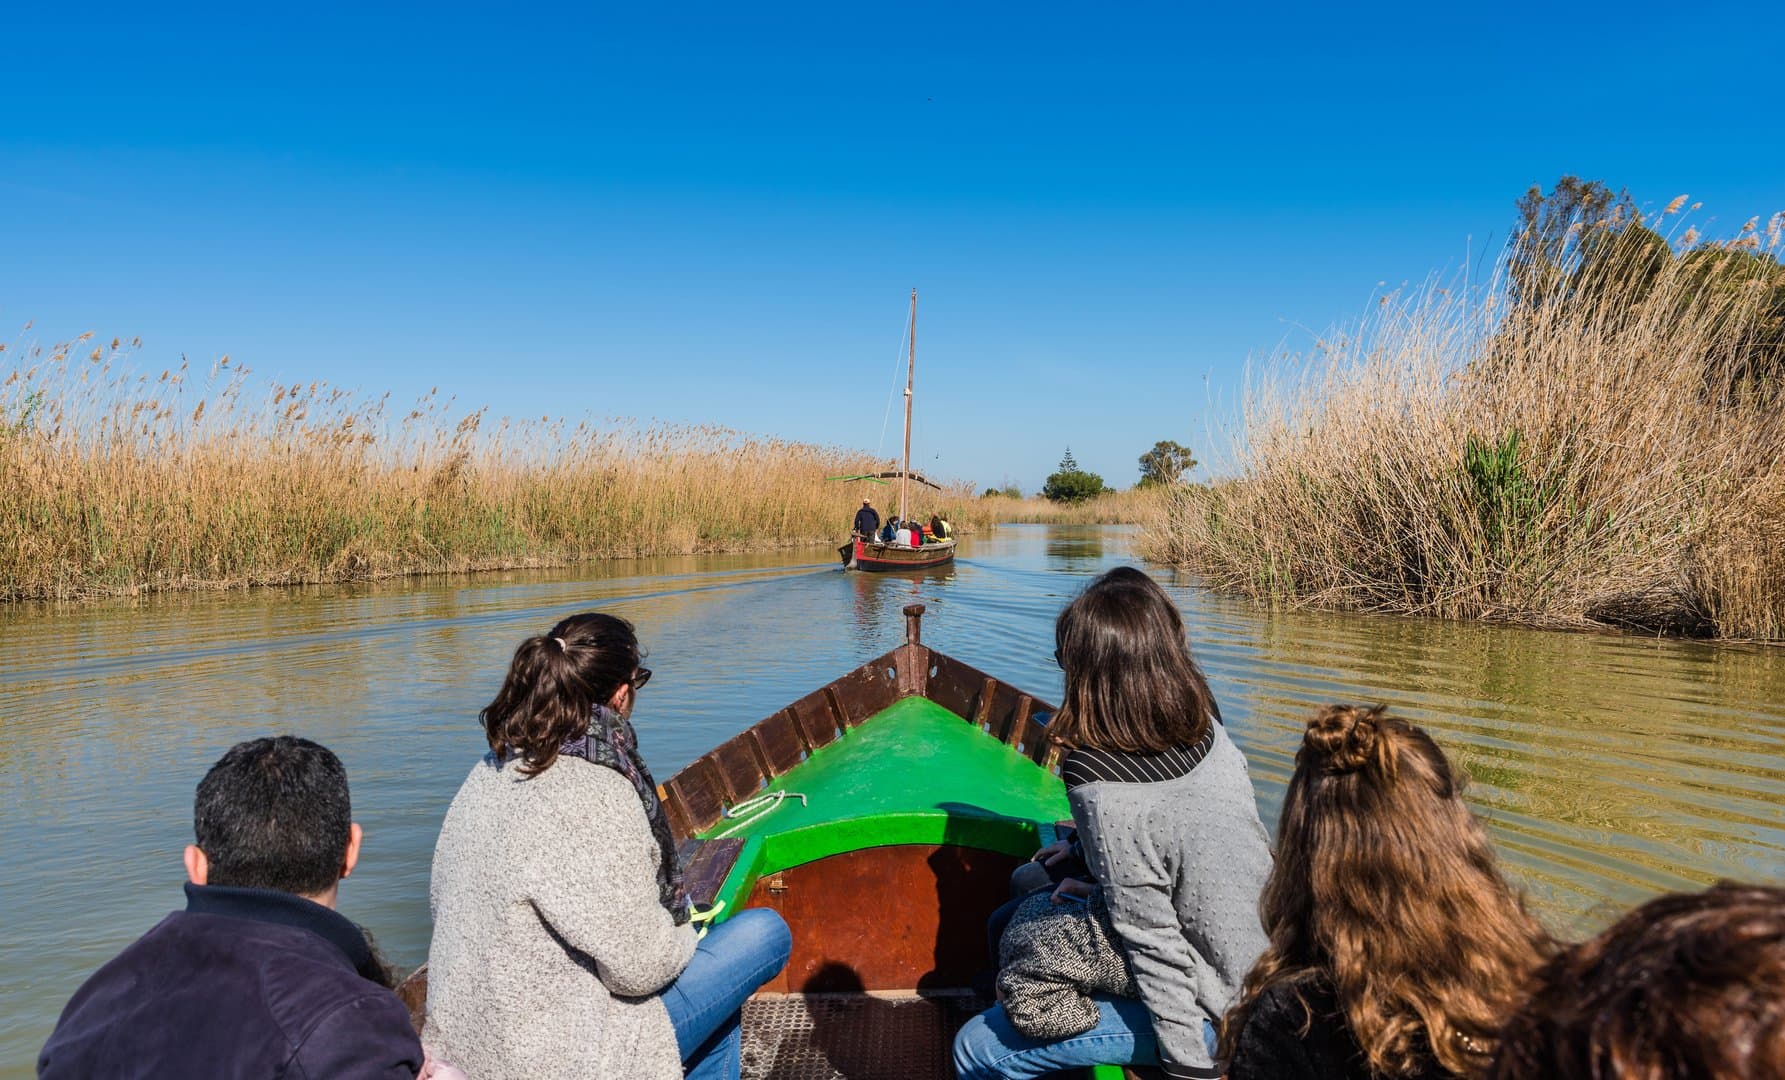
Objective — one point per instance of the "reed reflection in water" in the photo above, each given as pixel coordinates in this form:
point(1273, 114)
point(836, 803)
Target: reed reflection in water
point(1609, 767)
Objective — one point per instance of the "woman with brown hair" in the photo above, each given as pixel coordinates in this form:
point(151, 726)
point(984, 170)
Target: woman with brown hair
point(1396, 948)
point(1169, 829)
point(1686, 986)
point(563, 944)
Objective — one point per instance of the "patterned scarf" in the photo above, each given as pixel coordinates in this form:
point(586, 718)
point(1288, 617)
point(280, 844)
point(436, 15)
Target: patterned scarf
point(612, 742)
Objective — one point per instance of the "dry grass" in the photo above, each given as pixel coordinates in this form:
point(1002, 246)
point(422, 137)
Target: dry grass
point(1128, 507)
point(1567, 463)
point(117, 483)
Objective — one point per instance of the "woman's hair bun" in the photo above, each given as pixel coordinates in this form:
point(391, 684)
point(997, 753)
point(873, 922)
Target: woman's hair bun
point(1343, 738)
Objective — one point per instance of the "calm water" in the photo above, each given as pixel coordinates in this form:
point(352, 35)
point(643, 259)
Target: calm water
point(1610, 767)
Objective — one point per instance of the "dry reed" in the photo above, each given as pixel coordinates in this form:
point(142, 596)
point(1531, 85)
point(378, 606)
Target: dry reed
point(1613, 456)
point(1133, 506)
point(112, 482)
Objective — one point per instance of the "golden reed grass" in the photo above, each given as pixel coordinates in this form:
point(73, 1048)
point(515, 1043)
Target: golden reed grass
point(1129, 507)
point(113, 482)
point(1613, 456)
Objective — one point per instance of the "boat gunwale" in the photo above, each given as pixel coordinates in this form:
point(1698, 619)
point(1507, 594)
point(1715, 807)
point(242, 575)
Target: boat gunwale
point(701, 794)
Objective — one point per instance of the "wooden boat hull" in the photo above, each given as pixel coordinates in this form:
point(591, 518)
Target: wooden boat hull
point(874, 556)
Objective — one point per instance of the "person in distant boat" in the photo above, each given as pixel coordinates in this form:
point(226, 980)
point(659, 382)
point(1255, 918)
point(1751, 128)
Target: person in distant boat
point(1374, 821)
point(867, 520)
point(890, 532)
point(563, 941)
point(259, 976)
point(1168, 826)
point(1687, 985)
point(939, 527)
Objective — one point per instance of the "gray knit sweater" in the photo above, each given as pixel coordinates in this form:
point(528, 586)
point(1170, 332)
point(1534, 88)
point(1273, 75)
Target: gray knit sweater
point(549, 939)
point(1176, 842)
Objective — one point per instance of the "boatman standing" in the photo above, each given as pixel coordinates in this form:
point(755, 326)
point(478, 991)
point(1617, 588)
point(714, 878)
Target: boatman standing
point(867, 520)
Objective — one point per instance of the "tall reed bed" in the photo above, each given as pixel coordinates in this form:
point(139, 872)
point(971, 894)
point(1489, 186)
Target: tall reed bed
point(1601, 446)
point(1128, 507)
point(117, 482)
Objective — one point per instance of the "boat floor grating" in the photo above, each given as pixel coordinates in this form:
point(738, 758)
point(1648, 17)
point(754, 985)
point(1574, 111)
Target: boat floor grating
point(853, 1036)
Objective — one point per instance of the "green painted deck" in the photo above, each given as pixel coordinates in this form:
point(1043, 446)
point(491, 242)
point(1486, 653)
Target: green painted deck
point(913, 773)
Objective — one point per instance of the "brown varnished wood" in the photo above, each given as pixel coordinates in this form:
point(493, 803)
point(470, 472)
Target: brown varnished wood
point(738, 767)
point(780, 742)
point(698, 788)
point(816, 718)
point(955, 686)
point(680, 824)
point(705, 864)
point(866, 690)
point(1003, 715)
point(907, 917)
point(413, 993)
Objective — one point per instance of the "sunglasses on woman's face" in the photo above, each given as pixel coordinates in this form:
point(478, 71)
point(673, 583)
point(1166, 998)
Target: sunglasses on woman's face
point(641, 677)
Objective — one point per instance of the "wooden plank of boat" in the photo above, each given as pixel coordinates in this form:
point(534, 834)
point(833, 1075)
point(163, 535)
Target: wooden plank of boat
point(875, 556)
point(881, 815)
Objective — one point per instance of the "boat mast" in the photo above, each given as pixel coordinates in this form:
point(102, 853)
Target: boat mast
point(910, 377)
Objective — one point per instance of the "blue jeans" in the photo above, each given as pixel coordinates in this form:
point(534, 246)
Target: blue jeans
point(705, 1002)
point(990, 1048)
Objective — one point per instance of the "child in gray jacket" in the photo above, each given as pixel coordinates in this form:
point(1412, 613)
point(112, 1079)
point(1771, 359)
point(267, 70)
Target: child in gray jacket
point(1170, 830)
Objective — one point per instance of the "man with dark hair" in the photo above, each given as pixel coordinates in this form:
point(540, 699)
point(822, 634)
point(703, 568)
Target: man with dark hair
point(259, 976)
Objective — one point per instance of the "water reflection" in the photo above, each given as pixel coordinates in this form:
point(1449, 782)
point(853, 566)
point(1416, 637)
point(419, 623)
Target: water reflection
point(1075, 551)
point(1610, 767)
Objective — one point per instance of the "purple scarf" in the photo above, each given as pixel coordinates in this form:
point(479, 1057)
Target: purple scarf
point(611, 742)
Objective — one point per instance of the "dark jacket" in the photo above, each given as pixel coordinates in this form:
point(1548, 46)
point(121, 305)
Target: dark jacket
point(867, 521)
point(243, 983)
point(1303, 1036)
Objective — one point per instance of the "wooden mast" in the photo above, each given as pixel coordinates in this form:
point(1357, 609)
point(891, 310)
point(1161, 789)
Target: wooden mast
point(910, 377)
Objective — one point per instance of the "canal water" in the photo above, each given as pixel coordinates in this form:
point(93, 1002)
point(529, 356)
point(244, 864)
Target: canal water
point(1610, 768)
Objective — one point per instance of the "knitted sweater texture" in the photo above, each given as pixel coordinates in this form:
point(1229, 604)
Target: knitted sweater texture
point(550, 942)
point(1182, 861)
point(1052, 958)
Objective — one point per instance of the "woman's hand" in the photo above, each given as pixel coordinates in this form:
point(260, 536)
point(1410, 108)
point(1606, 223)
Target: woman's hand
point(1053, 853)
point(1072, 890)
point(432, 1068)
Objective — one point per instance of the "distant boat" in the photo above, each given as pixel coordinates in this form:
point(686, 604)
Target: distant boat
point(871, 553)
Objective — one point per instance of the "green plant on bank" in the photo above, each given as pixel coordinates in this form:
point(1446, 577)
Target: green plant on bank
point(1511, 505)
point(1071, 484)
point(1594, 437)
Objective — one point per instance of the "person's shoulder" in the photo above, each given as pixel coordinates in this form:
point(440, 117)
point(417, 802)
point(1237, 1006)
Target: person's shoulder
point(1295, 1001)
point(1295, 1028)
point(577, 782)
point(364, 1032)
point(304, 979)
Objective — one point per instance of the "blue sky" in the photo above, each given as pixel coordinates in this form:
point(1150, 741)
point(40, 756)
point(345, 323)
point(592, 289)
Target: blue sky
point(715, 214)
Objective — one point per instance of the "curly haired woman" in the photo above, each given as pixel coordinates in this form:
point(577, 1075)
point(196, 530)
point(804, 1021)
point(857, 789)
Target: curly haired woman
point(1396, 948)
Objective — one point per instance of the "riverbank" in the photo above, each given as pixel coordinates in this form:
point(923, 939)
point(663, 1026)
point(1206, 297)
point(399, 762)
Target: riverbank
point(1130, 507)
point(115, 483)
point(1607, 451)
